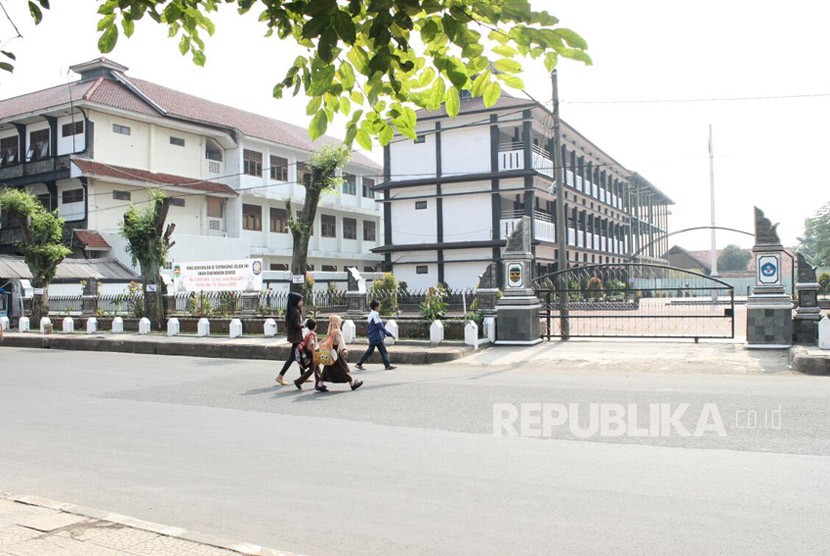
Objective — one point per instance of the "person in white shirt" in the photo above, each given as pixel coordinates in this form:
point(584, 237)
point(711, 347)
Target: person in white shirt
point(377, 333)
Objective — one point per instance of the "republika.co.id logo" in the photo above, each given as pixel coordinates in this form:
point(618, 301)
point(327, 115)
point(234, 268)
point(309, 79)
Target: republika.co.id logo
point(541, 420)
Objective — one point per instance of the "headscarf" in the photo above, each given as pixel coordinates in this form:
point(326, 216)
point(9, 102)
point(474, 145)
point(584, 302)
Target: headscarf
point(335, 323)
point(293, 301)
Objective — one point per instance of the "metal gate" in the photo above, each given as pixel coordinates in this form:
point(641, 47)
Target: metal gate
point(635, 300)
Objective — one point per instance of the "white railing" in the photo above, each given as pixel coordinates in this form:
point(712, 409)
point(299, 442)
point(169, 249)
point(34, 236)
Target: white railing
point(215, 167)
point(511, 160)
point(544, 231)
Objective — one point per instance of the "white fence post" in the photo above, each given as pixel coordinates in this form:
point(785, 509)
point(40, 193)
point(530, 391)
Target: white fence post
point(235, 328)
point(270, 328)
point(91, 325)
point(349, 331)
point(471, 334)
point(436, 332)
point(203, 328)
point(117, 325)
point(68, 324)
point(45, 322)
point(824, 333)
point(23, 324)
point(4, 323)
point(144, 326)
point(392, 327)
point(173, 327)
point(490, 329)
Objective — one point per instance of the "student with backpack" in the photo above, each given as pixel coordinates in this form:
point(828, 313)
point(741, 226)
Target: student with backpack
point(377, 333)
point(304, 355)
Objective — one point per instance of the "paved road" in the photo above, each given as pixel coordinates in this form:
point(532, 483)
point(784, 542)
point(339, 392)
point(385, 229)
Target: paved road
point(409, 463)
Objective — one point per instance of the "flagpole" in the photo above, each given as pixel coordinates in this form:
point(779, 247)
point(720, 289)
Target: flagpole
point(714, 253)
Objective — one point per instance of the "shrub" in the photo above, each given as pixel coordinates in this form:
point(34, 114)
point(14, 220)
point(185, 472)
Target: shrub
point(386, 290)
point(435, 305)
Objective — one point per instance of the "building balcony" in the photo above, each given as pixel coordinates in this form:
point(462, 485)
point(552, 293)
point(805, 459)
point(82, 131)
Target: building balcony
point(511, 157)
point(24, 173)
point(543, 228)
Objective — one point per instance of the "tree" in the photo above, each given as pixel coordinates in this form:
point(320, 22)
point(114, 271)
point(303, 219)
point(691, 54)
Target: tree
point(42, 245)
point(323, 166)
point(372, 60)
point(148, 246)
point(733, 258)
point(816, 241)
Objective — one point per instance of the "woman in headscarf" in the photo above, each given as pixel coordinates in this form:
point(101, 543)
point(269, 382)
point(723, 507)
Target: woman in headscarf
point(293, 330)
point(337, 372)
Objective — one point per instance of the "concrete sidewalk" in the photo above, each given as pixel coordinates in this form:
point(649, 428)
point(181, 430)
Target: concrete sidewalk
point(407, 352)
point(33, 526)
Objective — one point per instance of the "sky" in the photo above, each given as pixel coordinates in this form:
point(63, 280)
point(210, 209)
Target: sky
point(660, 75)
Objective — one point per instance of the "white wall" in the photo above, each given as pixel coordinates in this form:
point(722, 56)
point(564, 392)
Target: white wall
point(463, 275)
point(411, 161)
point(467, 218)
point(464, 151)
point(411, 225)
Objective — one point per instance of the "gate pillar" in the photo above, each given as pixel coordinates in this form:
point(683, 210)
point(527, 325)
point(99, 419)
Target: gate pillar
point(808, 313)
point(769, 313)
point(517, 312)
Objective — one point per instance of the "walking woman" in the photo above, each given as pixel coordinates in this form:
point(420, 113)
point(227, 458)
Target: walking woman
point(337, 372)
point(293, 330)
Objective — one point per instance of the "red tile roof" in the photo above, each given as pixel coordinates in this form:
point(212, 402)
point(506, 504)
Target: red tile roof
point(92, 240)
point(98, 169)
point(112, 93)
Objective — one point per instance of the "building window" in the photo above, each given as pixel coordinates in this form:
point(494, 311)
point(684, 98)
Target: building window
point(215, 208)
point(252, 163)
point(368, 269)
point(303, 174)
point(38, 145)
point(328, 226)
point(349, 228)
point(44, 199)
point(368, 184)
point(178, 141)
point(349, 184)
point(9, 149)
point(420, 205)
point(72, 196)
point(252, 218)
point(121, 195)
point(120, 129)
point(329, 268)
point(422, 269)
point(279, 267)
point(279, 221)
point(369, 231)
point(72, 128)
point(420, 139)
point(177, 201)
point(279, 168)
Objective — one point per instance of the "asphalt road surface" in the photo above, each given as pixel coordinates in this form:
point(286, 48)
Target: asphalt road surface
point(692, 451)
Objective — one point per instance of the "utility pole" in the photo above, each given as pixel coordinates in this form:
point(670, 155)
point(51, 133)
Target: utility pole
point(561, 218)
point(714, 254)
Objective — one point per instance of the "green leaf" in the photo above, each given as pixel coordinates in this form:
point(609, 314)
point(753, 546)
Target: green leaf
point(363, 139)
point(357, 97)
point(129, 27)
point(505, 50)
point(321, 81)
point(313, 105)
point(316, 26)
point(5, 66)
point(35, 12)
point(347, 77)
point(199, 57)
point(480, 83)
point(508, 66)
point(107, 40)
point(385, 135)
point(319, 124)
point(9, 55)
point(512, 81)
point(491, 94)
point(572, 38)
point(344, 26)
point(453, 102)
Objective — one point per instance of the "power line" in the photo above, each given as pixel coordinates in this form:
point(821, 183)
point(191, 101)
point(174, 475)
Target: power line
point(691, 100)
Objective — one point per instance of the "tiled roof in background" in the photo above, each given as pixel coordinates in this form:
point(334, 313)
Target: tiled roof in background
point(92, 168)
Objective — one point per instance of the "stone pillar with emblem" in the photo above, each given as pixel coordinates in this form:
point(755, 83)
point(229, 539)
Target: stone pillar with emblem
point(517, 312)
point(769, 313)
point(808, 313)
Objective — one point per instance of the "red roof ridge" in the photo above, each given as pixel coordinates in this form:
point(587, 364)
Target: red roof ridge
point(91, 90)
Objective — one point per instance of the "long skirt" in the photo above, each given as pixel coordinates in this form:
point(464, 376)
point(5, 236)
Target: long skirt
point(338, 372)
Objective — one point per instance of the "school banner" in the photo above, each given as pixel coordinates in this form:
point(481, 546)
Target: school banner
point(218, 276)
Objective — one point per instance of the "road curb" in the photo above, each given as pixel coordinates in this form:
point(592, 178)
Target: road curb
point(805, 361)
point(247, 549)
point(409, 353)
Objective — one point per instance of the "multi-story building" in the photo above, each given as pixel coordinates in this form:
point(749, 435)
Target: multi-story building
point(92, 147)
point(452, 196)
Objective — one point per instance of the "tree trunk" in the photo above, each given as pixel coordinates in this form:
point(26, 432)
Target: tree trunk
point(153, 300)
point(299, 256)
point(40, 302)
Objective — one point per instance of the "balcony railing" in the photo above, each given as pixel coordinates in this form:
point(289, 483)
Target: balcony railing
point(542, 230)
point(511, 157)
